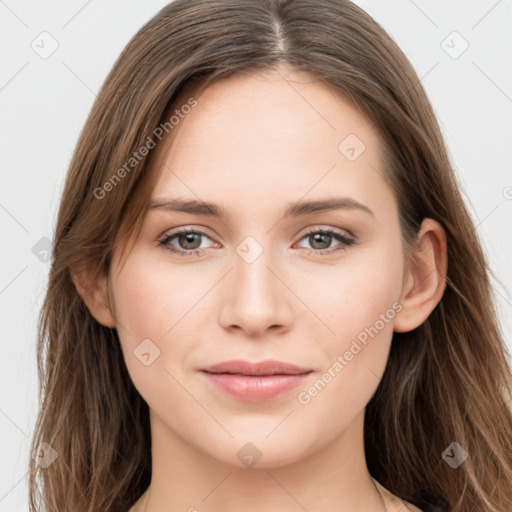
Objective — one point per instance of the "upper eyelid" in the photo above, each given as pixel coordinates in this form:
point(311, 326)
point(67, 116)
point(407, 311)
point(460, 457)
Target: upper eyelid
point(203, 230)
point(177, 231)
point(340, 231)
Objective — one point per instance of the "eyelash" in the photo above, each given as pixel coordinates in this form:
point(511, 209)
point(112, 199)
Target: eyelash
point(337, 235)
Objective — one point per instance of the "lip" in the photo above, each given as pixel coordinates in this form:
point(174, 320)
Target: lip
point(267, 367)
point(258, 381)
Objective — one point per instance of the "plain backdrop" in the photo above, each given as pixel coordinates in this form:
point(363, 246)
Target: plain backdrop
point(461, 51)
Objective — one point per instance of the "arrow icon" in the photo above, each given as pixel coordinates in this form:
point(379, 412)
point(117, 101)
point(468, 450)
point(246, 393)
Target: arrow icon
point(42, 249)
point(249, 454)
point(249, 253)
point(454, 455)
point(351, 147)
point(146, 352)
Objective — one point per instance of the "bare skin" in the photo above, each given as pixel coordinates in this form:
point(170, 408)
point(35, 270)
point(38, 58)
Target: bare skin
point(252, 145)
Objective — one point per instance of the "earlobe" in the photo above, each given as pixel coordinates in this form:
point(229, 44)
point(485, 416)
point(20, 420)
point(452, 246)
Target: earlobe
point(94, 293)
point(425, 278)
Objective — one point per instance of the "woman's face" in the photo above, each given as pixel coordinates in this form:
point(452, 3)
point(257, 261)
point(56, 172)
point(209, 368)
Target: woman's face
point(261, 284)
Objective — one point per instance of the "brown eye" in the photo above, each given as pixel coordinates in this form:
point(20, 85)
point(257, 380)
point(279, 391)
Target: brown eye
point(186, 242)
point(320, 240)
point(189, 240)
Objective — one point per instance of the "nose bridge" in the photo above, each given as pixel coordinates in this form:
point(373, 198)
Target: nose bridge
point(257, 298)
point(254, 278)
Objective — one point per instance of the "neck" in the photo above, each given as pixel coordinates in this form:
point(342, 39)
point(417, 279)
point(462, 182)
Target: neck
point(334, 477)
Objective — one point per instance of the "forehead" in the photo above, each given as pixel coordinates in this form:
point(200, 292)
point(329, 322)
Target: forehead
point(267, 137)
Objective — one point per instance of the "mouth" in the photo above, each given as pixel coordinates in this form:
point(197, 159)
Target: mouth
point(255, 381)
point(261, 368)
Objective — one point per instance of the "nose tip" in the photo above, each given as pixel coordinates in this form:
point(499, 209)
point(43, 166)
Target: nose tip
point(258, 301)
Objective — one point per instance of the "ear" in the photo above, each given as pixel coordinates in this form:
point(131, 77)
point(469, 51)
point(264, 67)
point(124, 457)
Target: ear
point(424, 278)
point(94, 290)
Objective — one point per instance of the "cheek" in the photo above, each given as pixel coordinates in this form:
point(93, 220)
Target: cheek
point(160, 307)
point(359, 305)
point(360, 308)
point(153, 306)
point(353, 295)
point(153, 297)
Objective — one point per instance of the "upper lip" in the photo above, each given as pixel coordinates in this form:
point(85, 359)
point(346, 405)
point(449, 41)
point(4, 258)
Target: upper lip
point(268, 367)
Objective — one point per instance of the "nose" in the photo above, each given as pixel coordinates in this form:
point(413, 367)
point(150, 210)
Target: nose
point(257, 297)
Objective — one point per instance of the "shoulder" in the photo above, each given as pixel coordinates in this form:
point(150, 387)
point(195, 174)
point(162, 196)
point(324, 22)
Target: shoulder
point(411, 507)
point(394, 503)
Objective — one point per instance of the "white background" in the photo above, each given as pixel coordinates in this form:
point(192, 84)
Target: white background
point(44, 103)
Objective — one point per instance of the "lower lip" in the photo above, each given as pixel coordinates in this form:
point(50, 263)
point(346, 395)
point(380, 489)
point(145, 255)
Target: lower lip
point(255, 388)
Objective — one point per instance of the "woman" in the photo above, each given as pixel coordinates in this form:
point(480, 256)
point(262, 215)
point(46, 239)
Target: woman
point(266, 291)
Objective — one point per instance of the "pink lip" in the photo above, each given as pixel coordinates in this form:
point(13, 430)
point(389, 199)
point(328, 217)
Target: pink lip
point(255, 381)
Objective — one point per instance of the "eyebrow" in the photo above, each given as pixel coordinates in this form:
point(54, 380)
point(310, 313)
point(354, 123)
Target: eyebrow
point(298, 209)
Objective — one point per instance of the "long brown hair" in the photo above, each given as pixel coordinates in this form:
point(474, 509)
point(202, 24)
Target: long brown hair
point(446, 381)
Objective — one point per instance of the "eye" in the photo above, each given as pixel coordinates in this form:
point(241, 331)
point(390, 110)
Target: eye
point(188, 241)
point(321, 239)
